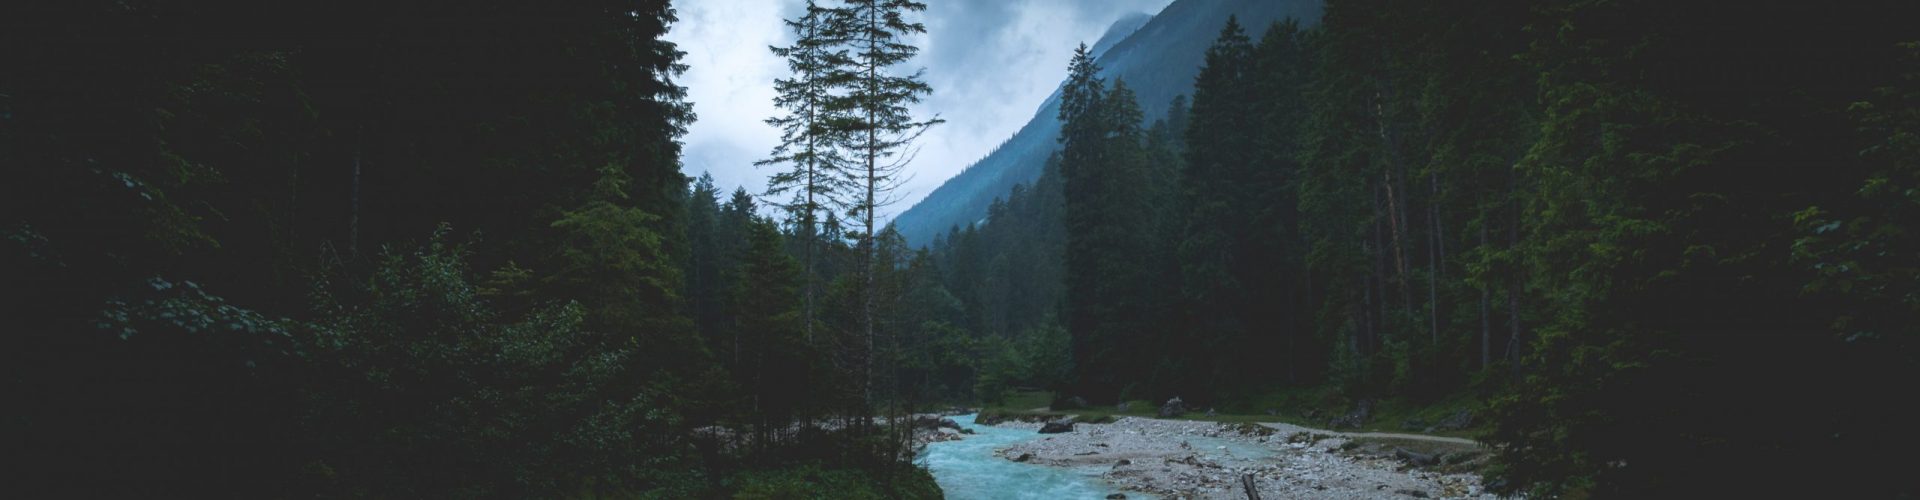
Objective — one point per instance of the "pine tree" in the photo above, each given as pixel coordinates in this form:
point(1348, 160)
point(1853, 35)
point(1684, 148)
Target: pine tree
point(1081, 136)
point(1278, 85)
point(810, 139)
point(705, 287)
point(774, 369)
point(1224, 281)
point(877, 128)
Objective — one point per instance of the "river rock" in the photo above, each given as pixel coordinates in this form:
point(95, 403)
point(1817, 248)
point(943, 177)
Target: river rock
point(1174, 408)
point(934, 422)
point(1458, 420)
point(1056, 427)
point(1117, 496)
point(1362, 412)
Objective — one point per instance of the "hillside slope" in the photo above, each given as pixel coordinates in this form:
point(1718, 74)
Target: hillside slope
point(1158, 58)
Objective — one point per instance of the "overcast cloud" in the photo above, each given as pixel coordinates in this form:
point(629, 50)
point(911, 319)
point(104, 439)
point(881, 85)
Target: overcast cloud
point(990, 62)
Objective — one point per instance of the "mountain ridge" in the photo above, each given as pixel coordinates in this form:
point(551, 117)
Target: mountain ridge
point(1159, 59)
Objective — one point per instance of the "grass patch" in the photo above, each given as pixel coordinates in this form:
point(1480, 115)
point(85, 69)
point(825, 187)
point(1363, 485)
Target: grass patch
point(1390, 415)
point(1093, 419)
point(1022, 400)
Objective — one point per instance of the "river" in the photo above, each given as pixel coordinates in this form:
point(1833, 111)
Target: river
point(967, 469)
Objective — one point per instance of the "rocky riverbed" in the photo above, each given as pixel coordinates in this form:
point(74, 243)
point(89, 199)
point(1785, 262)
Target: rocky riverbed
point(1188, 459)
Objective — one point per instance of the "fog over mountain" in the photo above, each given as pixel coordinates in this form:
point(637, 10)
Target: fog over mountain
point(1159, 60)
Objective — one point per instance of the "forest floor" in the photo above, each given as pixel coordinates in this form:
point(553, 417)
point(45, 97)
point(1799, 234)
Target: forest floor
point(1194, 459)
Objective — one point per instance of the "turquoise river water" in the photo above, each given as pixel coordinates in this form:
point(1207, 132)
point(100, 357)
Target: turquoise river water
point(967, 469)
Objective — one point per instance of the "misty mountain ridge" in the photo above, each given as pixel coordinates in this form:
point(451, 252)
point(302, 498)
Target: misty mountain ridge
point(1157, 55)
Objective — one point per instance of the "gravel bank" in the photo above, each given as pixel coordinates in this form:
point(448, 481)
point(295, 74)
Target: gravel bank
point(1186, 459)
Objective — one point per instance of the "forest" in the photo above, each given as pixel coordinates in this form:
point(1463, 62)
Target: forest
point(431, 249)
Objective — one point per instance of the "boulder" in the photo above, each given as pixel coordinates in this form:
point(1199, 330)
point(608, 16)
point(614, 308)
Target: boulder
point(1057, 427)
point(1123, 407)
point(1362, 412)
point(1412, 493)
point(1210, 413)
point(1023, 457)
point(934, 422)
point(1117, 496)
point(1416, 458)
point(1174, 408)
point(1458, 420)
point(1413, 424)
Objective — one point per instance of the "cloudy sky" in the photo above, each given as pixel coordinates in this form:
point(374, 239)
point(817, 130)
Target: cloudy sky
point(990, 62)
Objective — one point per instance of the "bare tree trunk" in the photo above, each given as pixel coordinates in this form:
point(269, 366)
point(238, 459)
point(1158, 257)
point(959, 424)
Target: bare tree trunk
point(353, 199)
point(1396, 186)
point(1399, 251)
point(810, 237)
point(813, 181)
point(1436, 255)
point(1303, 305)
point(1486, 322)
point(1513, 275)
point(1365, 316)
point(867, 251)
point(1382, 262)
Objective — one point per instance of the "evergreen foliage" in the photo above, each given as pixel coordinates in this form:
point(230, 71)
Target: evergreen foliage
point(230, 247)
point(1666, 242)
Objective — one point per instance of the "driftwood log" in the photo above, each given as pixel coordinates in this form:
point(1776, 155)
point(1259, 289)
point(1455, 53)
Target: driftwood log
point(1246, 481)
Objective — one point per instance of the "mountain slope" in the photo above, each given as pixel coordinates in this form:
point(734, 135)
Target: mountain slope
point(1159, 59)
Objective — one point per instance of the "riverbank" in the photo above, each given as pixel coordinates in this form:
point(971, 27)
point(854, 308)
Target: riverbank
point(1189, 459)
point(967, 467)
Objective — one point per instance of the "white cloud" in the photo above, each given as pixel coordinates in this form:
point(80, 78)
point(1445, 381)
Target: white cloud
point(991, 63)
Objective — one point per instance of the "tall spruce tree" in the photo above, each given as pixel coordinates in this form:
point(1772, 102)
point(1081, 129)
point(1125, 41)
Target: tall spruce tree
point(1108, 195)
point(876, 126)
point(1081, 100)
point(1277, 84)
point(1227, 281)
point(810, 141)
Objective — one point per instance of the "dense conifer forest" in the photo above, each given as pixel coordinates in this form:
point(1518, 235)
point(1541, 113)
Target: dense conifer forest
point(1656, 249)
